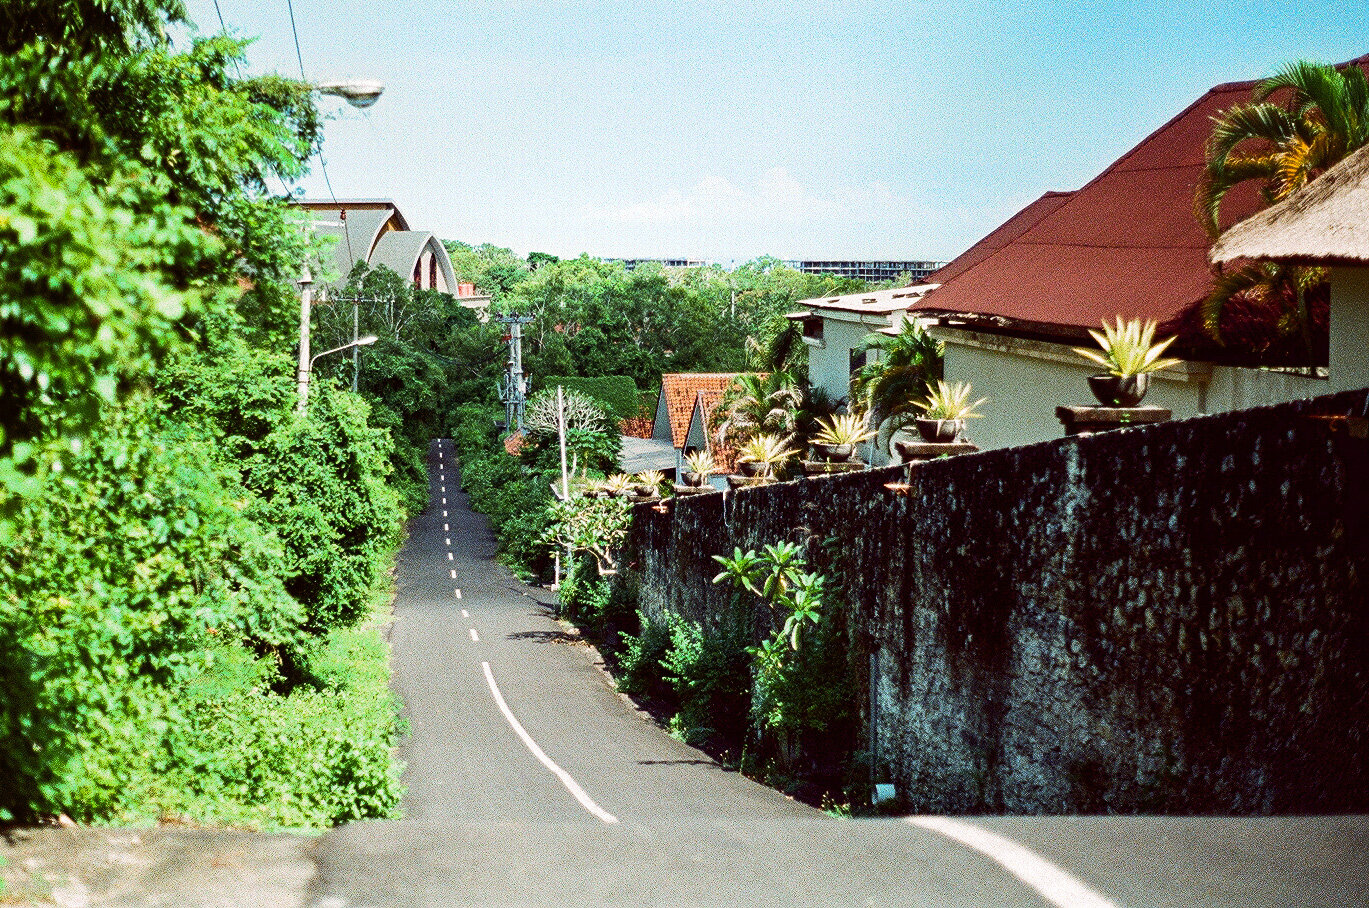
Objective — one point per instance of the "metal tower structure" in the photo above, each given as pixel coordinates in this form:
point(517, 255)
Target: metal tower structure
point(513, 387)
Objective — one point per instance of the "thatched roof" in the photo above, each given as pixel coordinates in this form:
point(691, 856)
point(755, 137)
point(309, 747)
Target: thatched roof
point(1325, 221)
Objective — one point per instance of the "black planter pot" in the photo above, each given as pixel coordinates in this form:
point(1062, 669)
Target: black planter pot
point(834, 453)
point(691, 479)
point(750, 467)
point(939, 431)
point(1119, 391)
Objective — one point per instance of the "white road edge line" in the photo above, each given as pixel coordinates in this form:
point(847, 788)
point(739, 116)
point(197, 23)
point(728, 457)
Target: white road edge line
point(475, 638)
point(576, 791)
point(1051, 882)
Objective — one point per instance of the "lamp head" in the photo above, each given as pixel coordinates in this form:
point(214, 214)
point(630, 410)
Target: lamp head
point(361, 93)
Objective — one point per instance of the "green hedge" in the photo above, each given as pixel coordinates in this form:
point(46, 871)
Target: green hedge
point(616, 392)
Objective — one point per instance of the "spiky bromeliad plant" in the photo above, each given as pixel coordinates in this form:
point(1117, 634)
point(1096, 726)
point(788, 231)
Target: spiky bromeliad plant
point(700, 462)
point(1128, 349)
point(845, 429)
point(769, 451)
point(949, 401)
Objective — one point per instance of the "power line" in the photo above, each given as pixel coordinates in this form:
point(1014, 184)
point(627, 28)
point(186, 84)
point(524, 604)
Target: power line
point(323, 162)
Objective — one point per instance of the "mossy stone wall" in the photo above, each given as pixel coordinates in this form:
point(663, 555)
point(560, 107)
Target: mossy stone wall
point(1165, 619)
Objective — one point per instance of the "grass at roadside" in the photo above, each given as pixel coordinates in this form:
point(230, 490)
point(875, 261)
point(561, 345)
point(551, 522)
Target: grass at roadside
point(253, 757)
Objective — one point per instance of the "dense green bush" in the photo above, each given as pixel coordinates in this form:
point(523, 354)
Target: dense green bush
point(639, 662)
point(617, 393)
point(710, 674)
point(114, 589)
point(318, 480)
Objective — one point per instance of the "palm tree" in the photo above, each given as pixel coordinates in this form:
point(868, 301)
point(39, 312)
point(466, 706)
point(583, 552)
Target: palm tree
point(759, 404)
point(779, 347)
point(889, 387)
point(1323, 117)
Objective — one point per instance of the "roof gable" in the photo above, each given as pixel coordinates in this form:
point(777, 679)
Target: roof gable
point(679, 391)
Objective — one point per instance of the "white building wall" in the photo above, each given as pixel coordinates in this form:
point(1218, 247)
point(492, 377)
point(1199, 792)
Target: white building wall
point(829, 366)
point(1025, 381)
point(1349, 359)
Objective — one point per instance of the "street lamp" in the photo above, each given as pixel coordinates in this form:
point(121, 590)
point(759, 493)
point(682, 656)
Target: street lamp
point(361, 93)
point(308, 370)
point(359, 342)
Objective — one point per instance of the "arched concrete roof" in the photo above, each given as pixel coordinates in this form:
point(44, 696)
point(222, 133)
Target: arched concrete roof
point(376, 232)
point(399, 250)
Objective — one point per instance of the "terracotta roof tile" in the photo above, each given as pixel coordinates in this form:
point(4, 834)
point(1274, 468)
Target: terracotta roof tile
point(680, 389)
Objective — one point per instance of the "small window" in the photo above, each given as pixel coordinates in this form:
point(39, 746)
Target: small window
point(812, 330)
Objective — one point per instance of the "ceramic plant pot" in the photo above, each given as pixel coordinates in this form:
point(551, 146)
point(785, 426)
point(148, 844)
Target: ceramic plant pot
point(1119, 391)
point(691, 479)
point(939, 431)
point(750, 467)
point(834, 453)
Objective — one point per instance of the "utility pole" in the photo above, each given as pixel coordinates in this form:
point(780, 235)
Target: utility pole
point(306, 301)
point(514, 388)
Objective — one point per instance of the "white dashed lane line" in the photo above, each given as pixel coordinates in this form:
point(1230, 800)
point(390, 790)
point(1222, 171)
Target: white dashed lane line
point(475, 638)
point(451, 557)
point(453, 573)
point(465, 614)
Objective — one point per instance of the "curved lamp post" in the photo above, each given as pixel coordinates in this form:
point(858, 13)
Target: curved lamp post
point(307, 372)
point(361, 93)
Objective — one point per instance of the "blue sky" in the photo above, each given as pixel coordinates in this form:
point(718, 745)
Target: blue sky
point(725, 131)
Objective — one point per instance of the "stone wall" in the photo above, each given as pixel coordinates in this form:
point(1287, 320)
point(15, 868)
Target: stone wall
point(1163, 619)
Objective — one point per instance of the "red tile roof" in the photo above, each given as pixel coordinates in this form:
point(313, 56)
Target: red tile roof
point(679, 390)
point(1006, 232)
point(1125, 244)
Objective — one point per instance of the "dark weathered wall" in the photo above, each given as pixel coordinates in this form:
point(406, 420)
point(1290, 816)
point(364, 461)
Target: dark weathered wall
point(1167, 619)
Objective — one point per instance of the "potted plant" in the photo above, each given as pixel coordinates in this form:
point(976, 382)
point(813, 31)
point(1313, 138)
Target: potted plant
point(616, 485)
point(838, 437)
point(1129, 355)
point(762, 455)
point(699, 465)
point(945, 410)
point(648, 485)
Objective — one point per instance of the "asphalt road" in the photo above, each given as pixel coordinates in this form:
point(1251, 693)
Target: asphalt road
point(531, 782)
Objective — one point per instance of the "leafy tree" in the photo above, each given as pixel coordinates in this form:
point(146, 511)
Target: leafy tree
point(491, 268)
point(127, 212)
point(1301, 121)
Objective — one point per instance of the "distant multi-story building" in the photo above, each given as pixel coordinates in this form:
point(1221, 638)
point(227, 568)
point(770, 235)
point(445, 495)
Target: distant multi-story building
point(631, 264)
point(867, 270)
point(872, 271)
